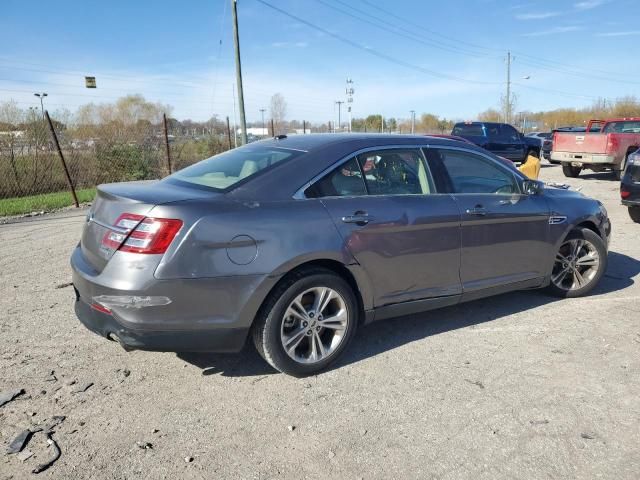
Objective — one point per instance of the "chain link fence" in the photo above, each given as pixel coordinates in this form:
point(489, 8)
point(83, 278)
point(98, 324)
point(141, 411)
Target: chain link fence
point(99, 153)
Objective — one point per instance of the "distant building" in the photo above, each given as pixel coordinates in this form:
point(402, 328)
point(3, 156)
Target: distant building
point(257, 131)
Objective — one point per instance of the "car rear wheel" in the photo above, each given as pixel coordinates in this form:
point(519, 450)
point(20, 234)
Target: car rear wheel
point(634, 213)
point(579, 264)
point(570, 171)
point(307, 322)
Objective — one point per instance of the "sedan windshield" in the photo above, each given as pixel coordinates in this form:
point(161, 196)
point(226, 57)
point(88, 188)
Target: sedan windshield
point(223, 171)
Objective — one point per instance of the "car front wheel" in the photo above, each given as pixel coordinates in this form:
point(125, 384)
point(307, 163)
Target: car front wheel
point(579, 264)
point(307, 322)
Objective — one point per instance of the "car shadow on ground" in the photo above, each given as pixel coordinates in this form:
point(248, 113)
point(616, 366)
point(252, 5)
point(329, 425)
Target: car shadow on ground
point(387, 335)
point(598, 176)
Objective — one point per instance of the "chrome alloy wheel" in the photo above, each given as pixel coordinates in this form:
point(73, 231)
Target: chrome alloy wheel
point(576, 264)
point(314, 325)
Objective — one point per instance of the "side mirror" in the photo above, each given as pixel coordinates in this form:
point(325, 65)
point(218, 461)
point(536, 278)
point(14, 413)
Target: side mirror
point(532, 187)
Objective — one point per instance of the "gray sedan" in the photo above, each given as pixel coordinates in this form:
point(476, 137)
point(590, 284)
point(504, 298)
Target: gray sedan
point(296, 242)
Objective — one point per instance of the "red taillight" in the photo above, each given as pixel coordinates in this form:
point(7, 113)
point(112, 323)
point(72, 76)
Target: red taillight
point(624, 193)
point(137, 234)
point(100, 308)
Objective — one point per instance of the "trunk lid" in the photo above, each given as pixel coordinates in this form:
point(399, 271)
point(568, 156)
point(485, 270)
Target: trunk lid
point(113, 200)
point(580, 142)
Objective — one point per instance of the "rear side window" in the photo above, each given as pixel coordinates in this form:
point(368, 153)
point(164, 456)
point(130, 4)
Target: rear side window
point(457, 171)
point(225, 170)
point(344, 181)
point(622, 127)
point(395, 172)
point(468, 129)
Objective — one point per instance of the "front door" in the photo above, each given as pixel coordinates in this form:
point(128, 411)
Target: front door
point(505, 141)
point(405, 237)
point(504, 233)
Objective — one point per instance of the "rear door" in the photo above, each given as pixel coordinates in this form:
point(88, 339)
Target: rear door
point(504, 233)
point(404, 236)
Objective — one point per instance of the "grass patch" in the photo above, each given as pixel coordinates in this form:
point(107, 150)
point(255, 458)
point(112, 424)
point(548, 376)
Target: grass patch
point(45, 201)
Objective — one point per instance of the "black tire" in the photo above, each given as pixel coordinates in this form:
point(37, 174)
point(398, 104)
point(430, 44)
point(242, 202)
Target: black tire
point(634, 213)
point(267, 326)
point(533, 152)
point(599, 244)
point(570, 171)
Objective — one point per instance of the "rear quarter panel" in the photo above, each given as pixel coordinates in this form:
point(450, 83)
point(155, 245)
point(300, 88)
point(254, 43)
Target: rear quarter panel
point(250, 238)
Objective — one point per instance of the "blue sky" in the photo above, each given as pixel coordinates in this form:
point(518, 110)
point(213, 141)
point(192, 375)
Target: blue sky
point(441, 57)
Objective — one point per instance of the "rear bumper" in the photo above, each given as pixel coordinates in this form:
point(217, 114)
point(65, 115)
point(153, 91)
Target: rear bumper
point(219, 340)
point(204, 314)
point(584, 158)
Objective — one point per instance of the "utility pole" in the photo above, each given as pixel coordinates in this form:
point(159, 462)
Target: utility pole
point(349, 91)
point(262, 110)
point(235, 125)
point(413, 121)
point(339, 103)
point(236, 41)
point(507, 109)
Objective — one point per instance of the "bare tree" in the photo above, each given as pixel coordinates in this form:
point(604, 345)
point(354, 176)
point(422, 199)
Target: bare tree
point(278, 109)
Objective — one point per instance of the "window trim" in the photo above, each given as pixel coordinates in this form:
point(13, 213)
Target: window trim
point(517, 178)
point(300, 195)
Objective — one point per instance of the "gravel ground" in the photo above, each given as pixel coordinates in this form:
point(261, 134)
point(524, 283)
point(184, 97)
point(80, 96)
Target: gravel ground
point(516, 386)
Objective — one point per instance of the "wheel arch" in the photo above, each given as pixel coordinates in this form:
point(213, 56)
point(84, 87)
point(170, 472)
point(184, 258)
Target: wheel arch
point(353, 274)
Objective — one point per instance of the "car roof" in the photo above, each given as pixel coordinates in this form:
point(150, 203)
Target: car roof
point(315, 141)
point(321, 151)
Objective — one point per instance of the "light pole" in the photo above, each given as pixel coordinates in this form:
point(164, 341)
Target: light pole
point(262, 110)
point(41, 97)
point(413, 121)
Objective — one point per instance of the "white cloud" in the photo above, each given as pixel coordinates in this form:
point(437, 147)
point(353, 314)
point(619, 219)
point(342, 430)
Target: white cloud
point(553, 31)
point(536, 16)
point(628, 33)
point(589, 4)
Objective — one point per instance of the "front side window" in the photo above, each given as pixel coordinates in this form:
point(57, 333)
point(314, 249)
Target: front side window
point(344, 181)
point(395, 172)
point(458, 171)
point(508, 133)
point(223, 171)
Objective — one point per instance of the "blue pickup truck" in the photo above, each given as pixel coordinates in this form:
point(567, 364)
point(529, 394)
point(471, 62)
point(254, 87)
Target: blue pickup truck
point(499, 138)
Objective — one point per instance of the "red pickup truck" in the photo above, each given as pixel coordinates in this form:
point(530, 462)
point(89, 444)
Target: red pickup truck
point(604, 146)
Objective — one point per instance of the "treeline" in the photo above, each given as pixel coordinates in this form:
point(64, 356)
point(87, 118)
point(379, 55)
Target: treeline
point(628, 106)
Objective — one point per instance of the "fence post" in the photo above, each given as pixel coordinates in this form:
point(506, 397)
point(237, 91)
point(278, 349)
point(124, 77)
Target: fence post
point(166, 141)
point(64, 164)
point(229, 132)
point(304, 127)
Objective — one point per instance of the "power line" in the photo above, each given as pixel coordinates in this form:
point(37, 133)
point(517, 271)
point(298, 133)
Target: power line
point(397, 30)
point(372, 51)
point(577, 71)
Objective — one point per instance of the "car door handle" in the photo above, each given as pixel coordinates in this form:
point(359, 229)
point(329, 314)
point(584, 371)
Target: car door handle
point(477, 210)
point(359, 218)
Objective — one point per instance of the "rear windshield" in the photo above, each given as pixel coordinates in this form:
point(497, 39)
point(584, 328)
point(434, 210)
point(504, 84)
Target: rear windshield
point(468, 129)
point(223, 171)
point(622, 127)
